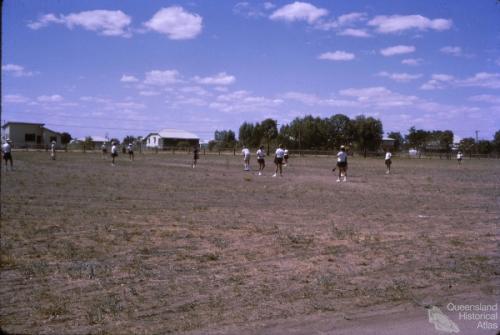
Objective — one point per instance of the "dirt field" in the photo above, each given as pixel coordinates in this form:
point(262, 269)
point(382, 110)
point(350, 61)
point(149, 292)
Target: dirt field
point(154, 246)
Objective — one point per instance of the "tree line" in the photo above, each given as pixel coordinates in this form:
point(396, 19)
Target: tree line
point(360, 133)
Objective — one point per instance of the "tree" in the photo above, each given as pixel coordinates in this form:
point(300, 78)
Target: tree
point(129, 139)
point(417, 138)
point(88, 143)
point(245, 133)
point(368, 133)
point(65, 138)
point(467, 145)
point(496, 142)
point(398, 139)
point(484, 147)
point(340, 130)
point(269, 130)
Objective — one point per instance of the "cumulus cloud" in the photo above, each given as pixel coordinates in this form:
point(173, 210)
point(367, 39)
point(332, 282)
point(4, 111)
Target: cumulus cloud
point(438, 82)
point(482, 79)
point(243, 101)
point(337, 56)
point(176, 23)
point(15, 98)
point(314, 100)
point(397, 50)
point(105, 22)
point(161, 78)
point(487, 98)
point(412, 61)
point(400, 77)
point(16, 70)
point(253, 9)
point(398, 23)
point(128, 79)
point(378, 97)
point(50, 98)
point(353, 32)
point(299, 11)
point(452, 50)
point(221, 78)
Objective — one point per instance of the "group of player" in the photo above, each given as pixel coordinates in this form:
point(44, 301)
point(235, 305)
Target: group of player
point(281, 157)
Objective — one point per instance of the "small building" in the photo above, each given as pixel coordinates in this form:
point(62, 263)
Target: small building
point(168, 138)
point(30, 135)
point(97, 141)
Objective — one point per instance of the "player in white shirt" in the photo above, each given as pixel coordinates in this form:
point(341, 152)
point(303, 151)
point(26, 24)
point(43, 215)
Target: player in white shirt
point(7, 153)
point(261, 159)
point(342, 163)
point(278, 160)
point(460, 155)
point(130, 151)
point(388, 162)
point(285, 157)
point(53, 150)
point(246, 158)
point(114, 152)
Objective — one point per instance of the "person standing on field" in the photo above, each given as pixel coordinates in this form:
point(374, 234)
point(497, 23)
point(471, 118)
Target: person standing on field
point(342, 163)
point(246, 158)
point(278, 160)
point(285, 157)
point(130, 151)
point(114, 152)
point(7, 154)
point(53, 150)
point(261, 159)
point(196, 155)
point(388, 162)
point(460, 155)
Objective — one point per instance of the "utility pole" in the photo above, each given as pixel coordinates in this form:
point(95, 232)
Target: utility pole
point(477, 137)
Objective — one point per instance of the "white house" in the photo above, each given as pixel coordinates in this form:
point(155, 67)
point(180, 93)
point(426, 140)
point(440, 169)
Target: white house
point(170, 138)
point(27, 134)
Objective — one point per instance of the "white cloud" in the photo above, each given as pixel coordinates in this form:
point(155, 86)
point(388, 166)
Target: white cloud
point(50, 98)
point(487, 98)
point(482, 79)
point(412, 61)
point(243, 101)
point(15, 98)
point(353, 32)
point(397, 50)
point(400, 77)
point(350, 18)
point(438, 82)
point(269, 5)
point(314, 100)
point(398, 23)
point(451, 50)
point(105, 22)
point(299, 11)
point(149, 93)
point(128, 79)
point(379, 97)
point(337, 56)
point(16, 70)
point(253, 9)
point(176, 23)
point(161, 78)
point(221, 78)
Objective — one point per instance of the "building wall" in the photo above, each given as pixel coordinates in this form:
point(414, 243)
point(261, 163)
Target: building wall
point(153, 141)
point(23, 135)
point(49, 135)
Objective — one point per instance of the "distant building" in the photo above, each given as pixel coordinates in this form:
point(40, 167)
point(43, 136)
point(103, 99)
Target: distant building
point(97, 141)
point(168, 138)
point(30, 135)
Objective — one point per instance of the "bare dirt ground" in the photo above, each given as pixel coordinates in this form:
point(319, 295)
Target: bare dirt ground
point(155, 247)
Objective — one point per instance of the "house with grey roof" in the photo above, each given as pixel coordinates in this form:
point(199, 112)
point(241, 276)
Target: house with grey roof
point(168, 138)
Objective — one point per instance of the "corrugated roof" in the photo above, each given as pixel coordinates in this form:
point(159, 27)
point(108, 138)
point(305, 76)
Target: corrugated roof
point(178, 134)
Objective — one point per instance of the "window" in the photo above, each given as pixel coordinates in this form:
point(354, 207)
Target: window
point(29, 137)
point(155, 139)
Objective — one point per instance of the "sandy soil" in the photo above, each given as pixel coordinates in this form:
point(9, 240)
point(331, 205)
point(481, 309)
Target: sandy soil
point(154, 246)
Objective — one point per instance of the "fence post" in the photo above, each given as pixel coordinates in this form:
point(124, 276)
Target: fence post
point(204, 152)
point(234, 151)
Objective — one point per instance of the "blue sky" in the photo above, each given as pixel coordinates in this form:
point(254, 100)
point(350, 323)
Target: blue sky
point(133, 67)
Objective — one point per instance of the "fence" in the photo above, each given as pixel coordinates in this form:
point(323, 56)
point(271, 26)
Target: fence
point(292, 152)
